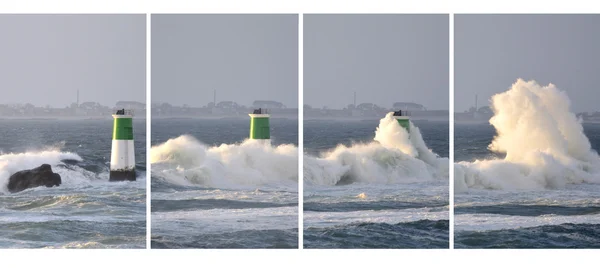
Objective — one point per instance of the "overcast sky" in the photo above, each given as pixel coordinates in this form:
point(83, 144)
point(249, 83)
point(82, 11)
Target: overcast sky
point(492, 51)
point(384, 58)
point(243, 57)
point(45, 59)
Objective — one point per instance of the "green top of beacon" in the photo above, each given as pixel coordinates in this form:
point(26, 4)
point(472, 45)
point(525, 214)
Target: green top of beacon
point(123, 125)
point(403, 119)
point(259, 125)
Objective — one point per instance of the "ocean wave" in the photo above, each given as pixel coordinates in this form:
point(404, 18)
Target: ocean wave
point(394, 156)
point(251, 163)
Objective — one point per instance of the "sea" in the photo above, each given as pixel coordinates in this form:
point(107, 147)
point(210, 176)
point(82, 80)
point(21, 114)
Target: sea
point(369, 184)
point(214, 188)
point(86, 210)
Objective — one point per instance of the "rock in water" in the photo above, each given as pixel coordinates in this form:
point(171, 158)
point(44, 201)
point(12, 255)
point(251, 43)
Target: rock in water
point(30, 178)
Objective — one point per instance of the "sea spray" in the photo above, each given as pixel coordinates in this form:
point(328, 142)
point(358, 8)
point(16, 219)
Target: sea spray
point(395, 156)
point(11, 163)
point(249, 164)
point(544, 143)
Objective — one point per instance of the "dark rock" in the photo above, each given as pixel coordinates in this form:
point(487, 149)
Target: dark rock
point(30, 178)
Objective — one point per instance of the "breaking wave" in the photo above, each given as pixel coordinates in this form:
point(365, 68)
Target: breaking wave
point(394, 156)
point(186, 161)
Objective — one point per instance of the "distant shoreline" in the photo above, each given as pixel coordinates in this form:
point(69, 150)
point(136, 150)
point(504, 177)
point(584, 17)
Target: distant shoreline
point(365, 118)
point(62, 118)
point(241, 116)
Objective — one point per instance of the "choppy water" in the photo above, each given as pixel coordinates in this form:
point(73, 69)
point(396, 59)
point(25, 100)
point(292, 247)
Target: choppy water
point(566, 217)
point(236, 195)
point(385, 207)
point(85, 211)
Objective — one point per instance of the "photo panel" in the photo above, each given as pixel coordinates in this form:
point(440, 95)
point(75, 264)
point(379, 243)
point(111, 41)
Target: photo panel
point(73, 131)
point(224, 131)
point(526, 135)
point(376, 137)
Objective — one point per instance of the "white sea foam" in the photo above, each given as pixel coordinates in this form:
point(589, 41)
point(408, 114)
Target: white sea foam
point(391, 216)
point(11, 163)
point(225, 220)
point(251, 163)
point(489, 222)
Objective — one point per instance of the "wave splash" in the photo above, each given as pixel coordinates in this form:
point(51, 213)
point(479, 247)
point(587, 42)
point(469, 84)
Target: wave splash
point(543, 140)
point(394, 156)
point(11, 163)
point(186, 161)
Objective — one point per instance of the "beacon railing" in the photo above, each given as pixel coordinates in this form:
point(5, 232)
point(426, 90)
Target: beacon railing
point(260, 111)
point(401, 113)
point(123, 112)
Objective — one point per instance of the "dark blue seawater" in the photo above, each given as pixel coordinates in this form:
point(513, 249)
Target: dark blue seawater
point(378, 210)
point(215, 191)
point(567, 217)
point(86, 210)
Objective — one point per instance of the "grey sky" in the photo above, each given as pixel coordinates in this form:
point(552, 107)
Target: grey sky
point(45, 59)
point(244, 57)
point(492, 51)
point(384, 58)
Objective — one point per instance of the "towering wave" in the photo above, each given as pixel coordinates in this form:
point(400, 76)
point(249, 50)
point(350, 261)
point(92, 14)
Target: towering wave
point(544, 143)
point(395, 156)
point(11, 163)
point(186, 161)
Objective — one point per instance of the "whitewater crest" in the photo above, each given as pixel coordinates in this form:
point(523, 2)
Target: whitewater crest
point(543, 140)
point(186, 161)
point(394, 156)
point(11, 163)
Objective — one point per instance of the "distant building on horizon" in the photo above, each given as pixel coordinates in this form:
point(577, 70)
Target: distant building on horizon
point(408, 106)
point(268, 104)
point(227, 105)
point(130, 105)
point(367, 106)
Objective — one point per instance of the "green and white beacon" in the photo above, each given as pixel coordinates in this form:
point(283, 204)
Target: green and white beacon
point(259, 125)
point(403, 118)
point(122, 157)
